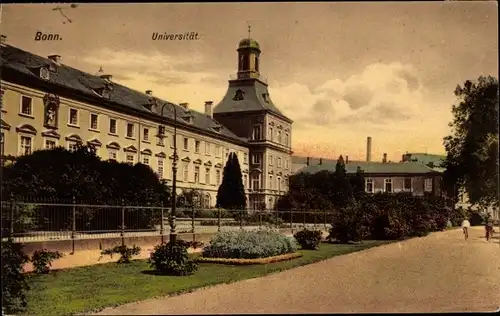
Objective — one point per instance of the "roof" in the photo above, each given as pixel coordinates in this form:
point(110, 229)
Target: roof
point(67, 77)
point(255, 94)
point(372, 168)
point(427, 158)
point(249, 43)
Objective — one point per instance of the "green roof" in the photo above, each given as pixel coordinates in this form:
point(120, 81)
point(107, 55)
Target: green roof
point(373, 168)
point(249, 43)
point(425, 159)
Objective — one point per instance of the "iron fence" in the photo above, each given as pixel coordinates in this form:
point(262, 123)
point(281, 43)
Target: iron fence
point(45, 220)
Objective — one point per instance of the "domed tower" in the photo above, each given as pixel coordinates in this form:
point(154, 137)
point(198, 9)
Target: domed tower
point(248, 111)
point(248, 59)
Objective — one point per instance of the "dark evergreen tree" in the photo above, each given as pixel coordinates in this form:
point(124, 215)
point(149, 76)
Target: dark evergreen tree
point(231, 192)
point(343, 190)
point(358, 182)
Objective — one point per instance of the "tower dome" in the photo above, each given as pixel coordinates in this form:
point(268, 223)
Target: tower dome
point(249, 43)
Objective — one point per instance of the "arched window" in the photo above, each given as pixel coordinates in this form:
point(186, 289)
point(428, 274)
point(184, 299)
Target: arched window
point(206, 201)
point(246, 62)
point(257, 63)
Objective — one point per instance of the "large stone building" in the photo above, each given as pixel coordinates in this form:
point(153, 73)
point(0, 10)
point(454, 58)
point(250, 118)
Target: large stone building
point(46, 103)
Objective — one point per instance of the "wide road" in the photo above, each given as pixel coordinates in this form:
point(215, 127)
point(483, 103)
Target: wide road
point(437, 273)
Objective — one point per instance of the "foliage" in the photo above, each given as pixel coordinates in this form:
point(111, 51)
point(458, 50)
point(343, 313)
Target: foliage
point(249, 244)
point(308, 239)
point(59, 175)
point(42, 260)
point(476, 218)
point(172, 259)
point(25, 218)
point(472, 147)
point(350, 223)
point(126, 253)
point(231, 192)
point(14, 285)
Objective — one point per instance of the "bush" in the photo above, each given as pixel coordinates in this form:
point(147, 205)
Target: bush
point(249, 244)
point(42, 260)
point(350, 224)
point(125, 252)
point(172, 259)
point(14, 285)
point(475, 218)
point(308, 239)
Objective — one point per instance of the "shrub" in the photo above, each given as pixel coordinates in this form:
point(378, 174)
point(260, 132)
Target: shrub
point(249, 244)
point(125, 252)
point(172, 259)
point(14, 285)
point(42, 260)
point(308, 239)
point(350, 224)
point(475, 218)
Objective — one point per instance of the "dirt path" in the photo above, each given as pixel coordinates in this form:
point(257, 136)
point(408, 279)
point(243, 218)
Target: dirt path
point(437, 273)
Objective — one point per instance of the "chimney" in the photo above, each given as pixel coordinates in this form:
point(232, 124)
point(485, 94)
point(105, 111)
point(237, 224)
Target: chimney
point(368, 149)
point(185, 105)
point(384, 160)
point(346, 159)
point(307, 161)
point(55, 58)
point(3, 40)
point(208, 108)
point(320, 161)
point(149, 92)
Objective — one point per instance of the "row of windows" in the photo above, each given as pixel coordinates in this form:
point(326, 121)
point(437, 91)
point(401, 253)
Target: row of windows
point(388, 185)
point(280, 163)
point(130, 132)
point(274, 136)
point(279, 183)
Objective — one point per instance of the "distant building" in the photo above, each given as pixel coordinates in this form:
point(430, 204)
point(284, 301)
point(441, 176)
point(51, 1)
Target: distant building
point(431, 160)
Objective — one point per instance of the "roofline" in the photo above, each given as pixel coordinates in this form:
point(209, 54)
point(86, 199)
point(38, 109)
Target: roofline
point(254, 112)
point(383, 174)
point(9, 75)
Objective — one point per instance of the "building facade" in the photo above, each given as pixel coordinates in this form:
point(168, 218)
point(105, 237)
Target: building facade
point(46, 103)
point(248, 111)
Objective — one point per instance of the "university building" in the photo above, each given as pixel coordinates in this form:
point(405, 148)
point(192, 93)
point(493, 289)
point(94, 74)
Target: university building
point(46, 103)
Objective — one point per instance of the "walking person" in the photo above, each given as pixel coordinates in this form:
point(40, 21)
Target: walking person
point(465, 228)
point(489, 229)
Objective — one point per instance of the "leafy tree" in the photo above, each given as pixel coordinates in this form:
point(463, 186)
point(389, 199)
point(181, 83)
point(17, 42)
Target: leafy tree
point(231, 192)
point(472, 147)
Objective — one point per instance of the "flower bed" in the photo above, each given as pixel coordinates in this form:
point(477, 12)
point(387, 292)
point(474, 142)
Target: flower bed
point(262, 243)
point(233, 261)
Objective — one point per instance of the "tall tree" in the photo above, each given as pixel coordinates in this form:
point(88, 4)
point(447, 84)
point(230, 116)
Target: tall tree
point(472, 148)
point(358, 181)
point(343, 190)
point(231, 192)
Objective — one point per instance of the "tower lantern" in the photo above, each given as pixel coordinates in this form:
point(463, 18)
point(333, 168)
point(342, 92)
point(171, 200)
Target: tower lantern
point(248, 57)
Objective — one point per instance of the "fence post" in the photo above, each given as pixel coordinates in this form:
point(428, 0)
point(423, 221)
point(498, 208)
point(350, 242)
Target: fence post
point(162, 225)
point(303, 219)
point(315, 213)
point(73, 228)
point(324, 215)
point(218, 219)
point(122, 234)
point(192, 219)
point(291, 220)
point(241, 219)
point(11, 224)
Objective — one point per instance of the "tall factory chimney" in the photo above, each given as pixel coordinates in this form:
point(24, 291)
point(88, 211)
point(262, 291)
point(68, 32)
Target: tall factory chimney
point(368, 149)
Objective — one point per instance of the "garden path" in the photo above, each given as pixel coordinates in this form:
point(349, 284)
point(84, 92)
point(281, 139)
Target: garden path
point(437, 273)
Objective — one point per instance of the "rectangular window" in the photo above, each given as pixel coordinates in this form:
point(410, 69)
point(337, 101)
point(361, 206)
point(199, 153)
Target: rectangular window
point(279, 162)
point(279, 136)
point(185, 172)
point(186, 143)
point(130, 130)
point(388, 185)
point(73, 117)
point(227, 153)
point(270, 133)
point(245, 180)
point(245, 158)
point(50, 144)
point(112, 154)
point(145, 160)
point(197, 145)
point(26, 105)
point(217, 177)
point(207, 175)
point(130, 159)
point(270, 160)
point(145, 134)
point(207, 148)
point(428, 185)
point(94, 121)
point(407, 184)
point(2, 140)
point(217, 151)
point(255, 182)
point(196, 174)
point(369, 185)
point(256, 133)
point(112, 126)
point(160, 168)
point(286, 139)
point(271, 182)
point(279, 184)
point(256, 159)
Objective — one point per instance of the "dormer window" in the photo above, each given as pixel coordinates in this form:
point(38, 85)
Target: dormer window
point(188, 117)
point(239, 95)
point(265, 96)
point(151, 105)
point(217, 128)
point(44, 73)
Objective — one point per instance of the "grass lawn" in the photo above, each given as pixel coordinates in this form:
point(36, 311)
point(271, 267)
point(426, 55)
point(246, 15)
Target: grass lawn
point(86, 289)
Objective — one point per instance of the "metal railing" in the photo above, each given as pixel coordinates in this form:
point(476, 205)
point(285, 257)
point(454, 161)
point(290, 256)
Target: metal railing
point(45, 220)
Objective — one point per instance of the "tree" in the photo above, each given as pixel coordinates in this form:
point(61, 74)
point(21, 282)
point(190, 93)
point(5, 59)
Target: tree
point(358, 182)
point(343, 192)
point(231, 192)
point(472, 147)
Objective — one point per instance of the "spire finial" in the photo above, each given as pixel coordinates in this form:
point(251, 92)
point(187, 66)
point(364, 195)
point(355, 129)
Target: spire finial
point(249, 30)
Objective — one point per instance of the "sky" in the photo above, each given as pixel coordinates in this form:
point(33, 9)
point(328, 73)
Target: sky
point(340, 71)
